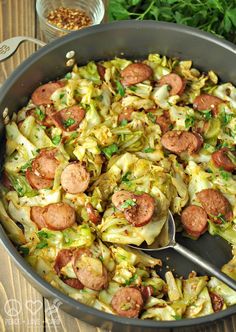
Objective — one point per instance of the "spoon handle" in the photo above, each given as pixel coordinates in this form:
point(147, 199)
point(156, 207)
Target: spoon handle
point(210, 268)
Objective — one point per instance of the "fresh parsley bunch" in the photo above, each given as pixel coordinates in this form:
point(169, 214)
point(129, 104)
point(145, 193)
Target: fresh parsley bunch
point(215, 16)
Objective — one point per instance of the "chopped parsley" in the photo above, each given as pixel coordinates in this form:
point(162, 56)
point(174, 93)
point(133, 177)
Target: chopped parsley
point(148, 150)
point(72, 137)
point(42, 245)
point(151, 117)
point(110, 150)
point(25, 166)
point(124, 122)
point(208, 170)
point(125, 177)
point(225, 118)
point(62, 95)
point(24, 250)
point(44, 235)
point(40, 114)
point(133, 88)
point(120, 88)
point(68, 76)
point(225, 175)
point(56, 139)
point(189, 121)
point(177, 317)
point(69, 122)
point(128, 203)
point(131, 280)
point(207, 115)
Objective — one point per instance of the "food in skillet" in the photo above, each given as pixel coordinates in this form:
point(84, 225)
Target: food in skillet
point(94, 162)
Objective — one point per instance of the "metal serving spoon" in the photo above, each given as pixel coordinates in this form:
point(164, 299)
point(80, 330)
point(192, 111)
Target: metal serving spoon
point(210, 268)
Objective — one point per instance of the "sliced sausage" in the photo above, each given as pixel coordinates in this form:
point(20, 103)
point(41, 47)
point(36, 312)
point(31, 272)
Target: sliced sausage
point(216, 205)
point(178, 141)
point(127, 302)
point(176, 83)
point(164, 122)
point(126, 114)
point(68, 119)
point(93, 214)
point(101, 71)
point(36, 181)
point(73, 282)
point(221, 160)
point(74, 178)
point(5, 181)
point(207, 102)
point(146, 291)
point(42, 95)
point(64, 256)
point(119, 198)
point(45, 164)
point(194, 220)
point(136, 73)
point(36, 215)
point(217, 301)
point(90, 272)
point(140, 212)
point(59, 216)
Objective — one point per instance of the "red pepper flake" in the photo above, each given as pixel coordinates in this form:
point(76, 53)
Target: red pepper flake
point(69, 18)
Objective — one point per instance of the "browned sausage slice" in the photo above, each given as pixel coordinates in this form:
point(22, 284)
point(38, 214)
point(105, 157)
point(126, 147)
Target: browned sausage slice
point(127, 302)
point(93, 214)
point(146, 291)
point(164, 122)
point(73, 282)
point(36, 215)
point(68, 119)
point(216, 205)
point(138, 209)
point(194, 220)
point(5, 181)
point(42, 95)
point(176, 83)
point(120, 197)
point(217, 301)
point(178, 141)
point(45, 164)
point(75, 178)
point(89, 274)
point(221, 160)
point(64, 256)
point(101, 71)
point(141, 213)
point(207, 102)
point(136, 73)
point(126, 114)
point(59, 216)
point(37, 182)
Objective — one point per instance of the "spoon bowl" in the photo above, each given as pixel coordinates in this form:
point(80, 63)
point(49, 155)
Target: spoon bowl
point(198, 260)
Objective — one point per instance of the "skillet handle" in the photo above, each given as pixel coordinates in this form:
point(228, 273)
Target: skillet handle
point(207, 266)
point(9, 46)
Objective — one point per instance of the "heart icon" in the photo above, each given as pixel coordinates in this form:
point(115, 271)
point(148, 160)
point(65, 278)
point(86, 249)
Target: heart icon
point(33, 306)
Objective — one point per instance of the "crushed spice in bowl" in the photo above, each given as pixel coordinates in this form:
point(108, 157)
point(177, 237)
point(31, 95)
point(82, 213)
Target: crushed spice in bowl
point(58, 18)
point(69, 18)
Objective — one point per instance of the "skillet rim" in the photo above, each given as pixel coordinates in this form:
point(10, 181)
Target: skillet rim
point(21, 263)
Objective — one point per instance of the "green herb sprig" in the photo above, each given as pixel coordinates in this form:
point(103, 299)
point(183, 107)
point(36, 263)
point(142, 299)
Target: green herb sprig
point(217, 17)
